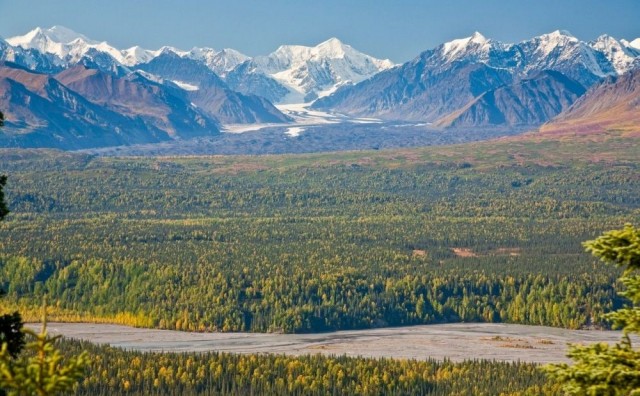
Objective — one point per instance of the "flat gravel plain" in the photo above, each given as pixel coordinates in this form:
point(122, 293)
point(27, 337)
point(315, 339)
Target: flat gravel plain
point(460, 341)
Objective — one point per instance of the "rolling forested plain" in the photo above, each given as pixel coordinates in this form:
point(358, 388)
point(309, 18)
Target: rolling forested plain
point(483, 232)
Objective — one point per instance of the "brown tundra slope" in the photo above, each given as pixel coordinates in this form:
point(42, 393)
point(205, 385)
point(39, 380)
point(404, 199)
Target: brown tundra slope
point(611, 106)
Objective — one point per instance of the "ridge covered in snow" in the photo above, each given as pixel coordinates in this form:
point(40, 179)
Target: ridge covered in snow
point(602, 57)
point(311, 72)
point(71, 46)
point(297, 73)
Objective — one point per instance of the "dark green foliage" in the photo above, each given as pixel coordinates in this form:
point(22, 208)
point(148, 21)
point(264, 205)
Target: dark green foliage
point(10, 324)
point(4, 211)
point(41, 370)
point(10, 333)
point(114, 371)
point(603, 369)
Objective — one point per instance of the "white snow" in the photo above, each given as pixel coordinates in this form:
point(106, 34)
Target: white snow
point(149, 76)
point(318, 70)
point(72, 46)
point(635, 43)
point(136, 55)
point(185, 86)
point(549, 42)
point(615, 51)
point(241, 128)
point(221, 62)
point(294, 131)
point(64, 43)
point(303, 117)
point(454, 49)
point(62, 34)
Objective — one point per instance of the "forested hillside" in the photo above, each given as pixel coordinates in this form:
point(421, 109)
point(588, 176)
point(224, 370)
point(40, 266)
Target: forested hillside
point(484, 232)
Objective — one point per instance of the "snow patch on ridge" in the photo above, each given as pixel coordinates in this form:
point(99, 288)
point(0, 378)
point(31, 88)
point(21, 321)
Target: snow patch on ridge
point(185, 86)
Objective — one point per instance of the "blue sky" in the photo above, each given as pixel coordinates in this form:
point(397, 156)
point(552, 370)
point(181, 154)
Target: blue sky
point(395, 29)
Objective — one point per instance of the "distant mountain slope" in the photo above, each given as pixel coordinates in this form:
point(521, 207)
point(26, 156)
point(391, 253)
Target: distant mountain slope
point(417, 90)
point(293, 72)
point(296, 73)
point(136, 96)
point(444, 79)
point(41, 112)
point(530, 101)
point(612, 105)
point(204, 88)
point(59, 48)
point(30, 58)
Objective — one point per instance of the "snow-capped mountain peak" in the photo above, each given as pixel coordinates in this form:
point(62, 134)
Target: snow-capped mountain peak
point(556, 38)
point(25, 40)
point(63, 43)
point(310, 72)
point(477, 44)
point(221, 62)
point(635, 43)
point(617, 53)
point(136, 54)
point(561, 33)
point(43, 39)
point(62, 34)
point(332, 48)
point(171, 50)
point(37, 39)
point(478, 38)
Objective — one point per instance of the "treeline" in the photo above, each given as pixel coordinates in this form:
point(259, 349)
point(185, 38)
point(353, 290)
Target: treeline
point(114, 371)
point(264, 298)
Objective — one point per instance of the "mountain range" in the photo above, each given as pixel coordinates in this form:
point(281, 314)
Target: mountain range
point(59, 88)
point(446, 80)
point(296, 72)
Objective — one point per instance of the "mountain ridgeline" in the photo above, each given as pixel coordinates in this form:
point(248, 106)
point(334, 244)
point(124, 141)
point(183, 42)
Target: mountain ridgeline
point(443, 83)
point(61, 89)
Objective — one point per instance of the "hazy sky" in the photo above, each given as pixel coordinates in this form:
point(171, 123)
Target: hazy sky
point(395, 29)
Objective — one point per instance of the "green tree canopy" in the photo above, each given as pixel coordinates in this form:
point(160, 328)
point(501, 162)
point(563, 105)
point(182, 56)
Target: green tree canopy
point(10, 324)
point(44, 371)
point(602, 369)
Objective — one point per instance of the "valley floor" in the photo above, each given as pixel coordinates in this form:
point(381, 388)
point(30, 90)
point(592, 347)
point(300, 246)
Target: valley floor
point(457, 342)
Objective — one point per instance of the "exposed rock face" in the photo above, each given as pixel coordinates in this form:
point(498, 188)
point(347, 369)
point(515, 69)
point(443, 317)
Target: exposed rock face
point(613, 104)
point(41, 111)
point(531, 101)
point(204, 88)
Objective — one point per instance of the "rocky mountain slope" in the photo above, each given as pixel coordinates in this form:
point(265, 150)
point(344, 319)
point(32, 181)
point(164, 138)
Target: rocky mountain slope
point(292, 73)
point(59, 48)
point(530, 101)
point(41, 111)
point(613, 105)
point(449, 77)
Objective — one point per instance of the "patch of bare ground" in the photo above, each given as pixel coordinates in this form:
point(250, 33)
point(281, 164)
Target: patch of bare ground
point(507, 251)
point(419, 252)
point(464, 252)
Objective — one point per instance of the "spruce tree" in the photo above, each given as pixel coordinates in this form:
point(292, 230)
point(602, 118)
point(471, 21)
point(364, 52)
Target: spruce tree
point(603, 369)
